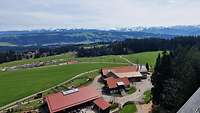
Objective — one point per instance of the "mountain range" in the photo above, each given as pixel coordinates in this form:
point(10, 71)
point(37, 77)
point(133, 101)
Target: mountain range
point(46, 37)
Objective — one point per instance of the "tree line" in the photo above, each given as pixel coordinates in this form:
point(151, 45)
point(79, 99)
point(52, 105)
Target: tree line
point(176, 77)
point(19, 53)
point(108, 48)
point(138, 45)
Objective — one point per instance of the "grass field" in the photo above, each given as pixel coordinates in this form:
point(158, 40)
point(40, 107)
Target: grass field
point(21, 83)
point(66, 56)
point(143, 57)
point(129, 108)
point(107, 58)
point(83, 80)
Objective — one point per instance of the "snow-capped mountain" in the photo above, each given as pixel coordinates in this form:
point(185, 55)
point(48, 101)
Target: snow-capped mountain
point(181, 30)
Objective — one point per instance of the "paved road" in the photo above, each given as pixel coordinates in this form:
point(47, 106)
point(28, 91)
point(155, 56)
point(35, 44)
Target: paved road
point(138, 95)
point(141, 87)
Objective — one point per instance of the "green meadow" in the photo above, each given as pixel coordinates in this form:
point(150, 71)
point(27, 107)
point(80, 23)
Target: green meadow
point(143, 57)
point(15, 85)
point(18, 84)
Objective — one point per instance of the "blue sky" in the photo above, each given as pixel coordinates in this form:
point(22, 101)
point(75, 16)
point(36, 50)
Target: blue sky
point(35, 14)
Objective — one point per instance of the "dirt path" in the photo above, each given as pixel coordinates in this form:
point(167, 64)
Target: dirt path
point(127, 60)
point(144, 108)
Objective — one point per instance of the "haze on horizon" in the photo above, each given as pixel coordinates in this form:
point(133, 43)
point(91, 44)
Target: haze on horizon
point(37, 14)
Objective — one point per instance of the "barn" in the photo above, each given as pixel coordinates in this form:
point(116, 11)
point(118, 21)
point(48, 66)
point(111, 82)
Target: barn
point(130, 72)
point(75, 99)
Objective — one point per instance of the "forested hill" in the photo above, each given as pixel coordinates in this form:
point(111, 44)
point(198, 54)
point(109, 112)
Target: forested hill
point(73, 36)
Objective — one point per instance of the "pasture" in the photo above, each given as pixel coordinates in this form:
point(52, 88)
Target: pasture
point(140, 58)
point(143, 57)
point(107, 58)
point(15, 85)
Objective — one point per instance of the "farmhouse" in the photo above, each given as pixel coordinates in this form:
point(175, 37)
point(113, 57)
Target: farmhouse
point(76, 99)
point(143, 70)
point(117, 84)
point(131, 72)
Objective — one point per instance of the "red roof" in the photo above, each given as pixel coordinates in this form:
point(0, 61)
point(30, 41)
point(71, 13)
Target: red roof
point(101, 103)
point(123, 69)
point(58, 101)
point(112, 82)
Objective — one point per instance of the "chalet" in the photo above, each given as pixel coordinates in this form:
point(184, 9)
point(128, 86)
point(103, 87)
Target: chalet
point(143, 70)
point(102, 106)
point(130, 72)
point(117, 84)
point(75, 99)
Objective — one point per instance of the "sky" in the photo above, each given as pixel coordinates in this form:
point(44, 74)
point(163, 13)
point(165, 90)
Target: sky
point(37, 14)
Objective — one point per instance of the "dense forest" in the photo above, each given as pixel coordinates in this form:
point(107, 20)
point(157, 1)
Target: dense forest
point(176, 77)
point(138, 45)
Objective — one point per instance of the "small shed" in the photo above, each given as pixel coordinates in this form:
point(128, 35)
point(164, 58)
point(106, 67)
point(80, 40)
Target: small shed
point(102, 106)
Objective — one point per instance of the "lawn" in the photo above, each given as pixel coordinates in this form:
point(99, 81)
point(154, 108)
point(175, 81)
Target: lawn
point(83, 80)
point(22, 83)
point(147, 96)
point(131, 90)
point(129, 108)
point(143, 57)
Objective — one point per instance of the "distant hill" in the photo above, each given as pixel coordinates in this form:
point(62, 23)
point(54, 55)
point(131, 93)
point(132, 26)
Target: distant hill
point(77, 36)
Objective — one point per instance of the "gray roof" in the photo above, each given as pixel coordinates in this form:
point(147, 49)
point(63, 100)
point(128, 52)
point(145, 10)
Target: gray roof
point(192, 105)
point(143, 68)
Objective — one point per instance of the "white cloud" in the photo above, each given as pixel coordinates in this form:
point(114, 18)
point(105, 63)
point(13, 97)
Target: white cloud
point(97, 13)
